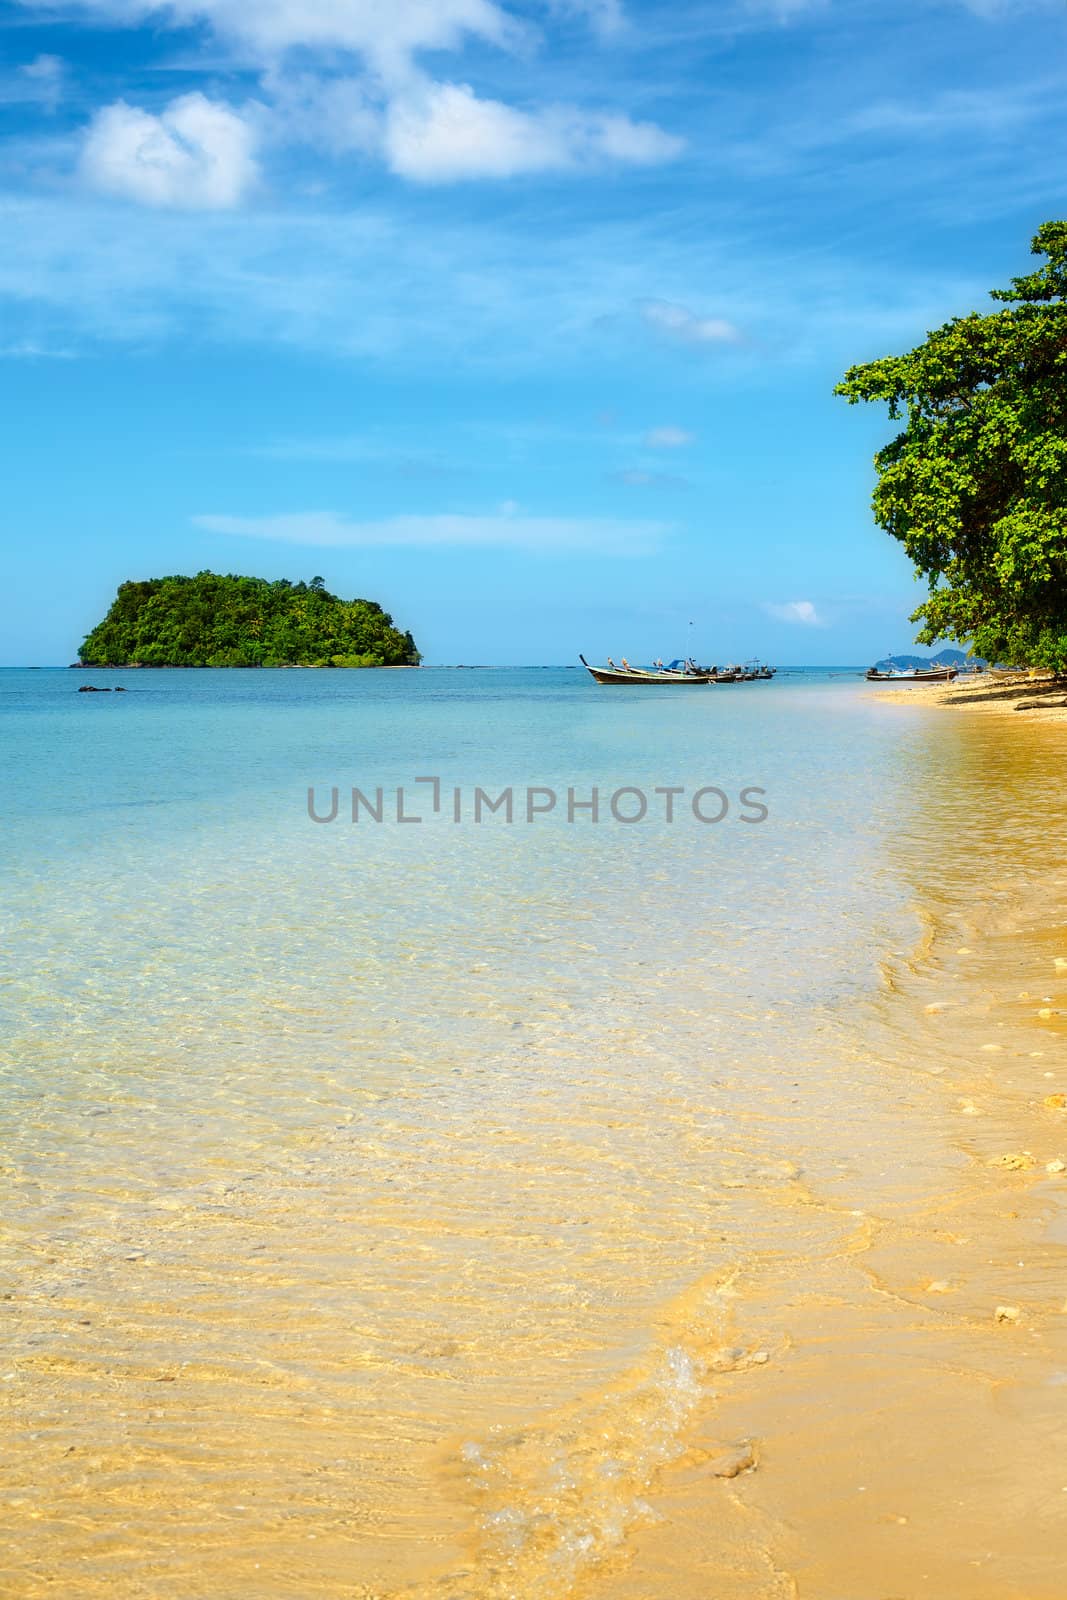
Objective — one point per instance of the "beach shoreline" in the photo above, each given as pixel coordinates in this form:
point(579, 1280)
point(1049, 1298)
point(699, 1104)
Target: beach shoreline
point(934, 1334)
point(1040, 699)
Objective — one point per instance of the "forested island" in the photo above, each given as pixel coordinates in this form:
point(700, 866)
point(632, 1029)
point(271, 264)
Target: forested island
point(216, 621)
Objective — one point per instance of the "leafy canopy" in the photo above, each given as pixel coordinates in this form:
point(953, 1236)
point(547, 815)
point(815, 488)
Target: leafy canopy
point(975, 487)
point(214, 621)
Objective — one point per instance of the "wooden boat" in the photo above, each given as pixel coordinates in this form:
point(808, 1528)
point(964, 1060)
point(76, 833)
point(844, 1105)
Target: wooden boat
point(913, 675)
point(755, 671)
point(639, 675)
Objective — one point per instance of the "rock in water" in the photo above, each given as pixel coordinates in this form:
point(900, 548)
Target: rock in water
point(733, 1461)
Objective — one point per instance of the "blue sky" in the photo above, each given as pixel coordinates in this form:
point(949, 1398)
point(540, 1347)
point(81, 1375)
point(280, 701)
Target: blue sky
point(520, 318)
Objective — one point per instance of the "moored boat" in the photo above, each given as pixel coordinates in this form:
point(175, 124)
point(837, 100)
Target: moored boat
point(654, 675)
point(913, 675)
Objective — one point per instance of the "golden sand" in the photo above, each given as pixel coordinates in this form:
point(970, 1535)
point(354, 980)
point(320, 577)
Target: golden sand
point(1037, 697)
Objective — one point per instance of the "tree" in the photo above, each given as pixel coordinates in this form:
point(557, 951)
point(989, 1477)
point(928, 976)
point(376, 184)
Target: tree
point(975, 487)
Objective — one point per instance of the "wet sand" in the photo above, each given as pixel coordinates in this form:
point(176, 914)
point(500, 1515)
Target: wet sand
point(908, 1430)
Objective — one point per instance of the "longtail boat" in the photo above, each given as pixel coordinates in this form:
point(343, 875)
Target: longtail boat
point(913, 675)
point(658, 675)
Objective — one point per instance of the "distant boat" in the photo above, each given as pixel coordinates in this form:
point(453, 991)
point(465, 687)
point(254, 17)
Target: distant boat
point(676, 673)
point(756, 671)
point(913, 675)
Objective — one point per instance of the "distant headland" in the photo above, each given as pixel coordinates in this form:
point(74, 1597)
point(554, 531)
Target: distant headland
point(944, 658)
point(216, 621)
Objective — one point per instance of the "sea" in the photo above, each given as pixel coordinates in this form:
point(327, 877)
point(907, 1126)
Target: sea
point(471, 1134)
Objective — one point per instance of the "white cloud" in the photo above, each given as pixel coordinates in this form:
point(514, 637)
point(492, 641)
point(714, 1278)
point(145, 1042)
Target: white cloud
point(441, 132)
point(950, 114)
point(638, 478)
point(641, 144)
point(390, 34)
point(505, 529)
point(799, 611)
point(338, 114)
point(382, 283)
point(430, 132)
point(783, 10)
point(668, 438)
point(445, 132)
point(679, 323)
point(41, 81)
point(30, 350)
point(198, 154)
point(605, 17)
point(386, 34)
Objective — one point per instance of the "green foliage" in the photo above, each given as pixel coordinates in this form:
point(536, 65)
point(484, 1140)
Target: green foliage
point(975, 487)
point(214, 621)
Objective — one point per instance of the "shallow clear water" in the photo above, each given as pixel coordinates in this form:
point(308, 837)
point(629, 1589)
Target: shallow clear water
point(378, 1192)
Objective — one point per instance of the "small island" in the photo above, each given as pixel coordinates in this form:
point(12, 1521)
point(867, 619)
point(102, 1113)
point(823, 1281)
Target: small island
point(216, 621)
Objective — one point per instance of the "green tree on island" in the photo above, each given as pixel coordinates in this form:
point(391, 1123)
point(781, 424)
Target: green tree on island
point(214, 621)
point(975, 487)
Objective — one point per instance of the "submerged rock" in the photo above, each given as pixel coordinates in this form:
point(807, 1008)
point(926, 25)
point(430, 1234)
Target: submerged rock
point(726, 1360)
point(733, 1360)
point(733, 1461)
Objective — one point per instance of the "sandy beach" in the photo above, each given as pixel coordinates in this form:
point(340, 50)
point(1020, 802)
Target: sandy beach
point(1038, 698)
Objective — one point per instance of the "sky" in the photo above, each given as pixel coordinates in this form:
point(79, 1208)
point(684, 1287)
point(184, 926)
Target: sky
point(522, 319)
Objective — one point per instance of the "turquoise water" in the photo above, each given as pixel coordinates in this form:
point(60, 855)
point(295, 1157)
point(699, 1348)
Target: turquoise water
point(162, 872)
point(369, 1140)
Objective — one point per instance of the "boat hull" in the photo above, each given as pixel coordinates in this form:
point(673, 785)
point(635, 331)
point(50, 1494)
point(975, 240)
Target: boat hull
point(653, 679)
point(943, 675)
